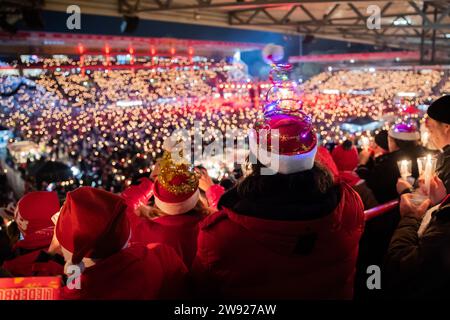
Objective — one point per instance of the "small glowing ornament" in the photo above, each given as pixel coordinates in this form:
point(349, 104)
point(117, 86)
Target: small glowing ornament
point(282, 95)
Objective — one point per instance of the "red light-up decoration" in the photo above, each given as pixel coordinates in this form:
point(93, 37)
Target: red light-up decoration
point(80, 48)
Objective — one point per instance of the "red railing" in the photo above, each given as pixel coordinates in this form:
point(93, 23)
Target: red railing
point(380, 210)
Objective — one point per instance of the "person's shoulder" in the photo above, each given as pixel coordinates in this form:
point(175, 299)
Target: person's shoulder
point(29, 256)
point(384, 157)
point(443, 212)
point(351, 207)
point(420, 151)
point(213, 220)
point(147, 255)
point(161, 250)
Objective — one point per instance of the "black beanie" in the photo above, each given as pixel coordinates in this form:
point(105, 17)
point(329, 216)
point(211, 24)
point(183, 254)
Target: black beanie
point(439, 110)
point(381, 139)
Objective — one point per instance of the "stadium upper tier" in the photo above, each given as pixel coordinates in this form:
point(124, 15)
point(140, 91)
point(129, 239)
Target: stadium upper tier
point(385, 83)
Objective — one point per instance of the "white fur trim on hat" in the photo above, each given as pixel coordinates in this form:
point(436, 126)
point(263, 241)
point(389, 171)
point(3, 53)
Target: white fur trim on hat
point(288, 164)
point(178, 207)
point(285, 164)
point(406, 136)
point(297, 163)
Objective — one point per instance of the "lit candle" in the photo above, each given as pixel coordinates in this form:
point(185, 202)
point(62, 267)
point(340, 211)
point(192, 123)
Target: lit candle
point(404, 172)
point(365, 143)
point(428, 173)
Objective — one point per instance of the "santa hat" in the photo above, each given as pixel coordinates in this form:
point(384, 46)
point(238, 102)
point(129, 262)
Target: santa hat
point(406, 132)
point(297, 143)
point(92, 224)
point(34, 211)
point(297, 140)
point(176, 187)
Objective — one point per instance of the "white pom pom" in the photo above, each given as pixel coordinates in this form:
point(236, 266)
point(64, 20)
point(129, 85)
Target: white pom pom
point(169, 144)
point(272, 53)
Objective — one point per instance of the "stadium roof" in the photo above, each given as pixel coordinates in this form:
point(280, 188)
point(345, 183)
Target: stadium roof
point(403, 23)
point(411, 25)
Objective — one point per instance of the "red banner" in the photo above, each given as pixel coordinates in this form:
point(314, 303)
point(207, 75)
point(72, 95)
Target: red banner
point(30, 288)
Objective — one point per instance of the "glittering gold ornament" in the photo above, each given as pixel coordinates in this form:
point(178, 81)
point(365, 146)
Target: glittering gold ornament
point(169, 169)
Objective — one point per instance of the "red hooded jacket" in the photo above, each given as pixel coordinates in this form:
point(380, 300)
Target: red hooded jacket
point(28, 261)
point(178, 231)
point(324, 157)
point(31, 264)
point(135, 273)
point(245, 257)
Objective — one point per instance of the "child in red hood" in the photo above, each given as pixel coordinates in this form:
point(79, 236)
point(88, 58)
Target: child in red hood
point(178, 209)
point(93, 233)
point(33, 218)
point(346, 158)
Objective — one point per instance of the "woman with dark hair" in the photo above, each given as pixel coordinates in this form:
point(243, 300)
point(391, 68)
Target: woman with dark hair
point(286, 230)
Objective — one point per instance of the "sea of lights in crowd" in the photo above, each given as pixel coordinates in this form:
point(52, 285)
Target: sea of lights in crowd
point(109, 124)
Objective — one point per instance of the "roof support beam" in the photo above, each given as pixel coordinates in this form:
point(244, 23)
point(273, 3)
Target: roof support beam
point(210, 4)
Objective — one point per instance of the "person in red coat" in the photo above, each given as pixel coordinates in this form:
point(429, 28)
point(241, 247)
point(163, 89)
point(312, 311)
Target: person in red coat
point(346, 158)
point(293, 234)
point(177, 212)
point(93, 233)
point(33, 218)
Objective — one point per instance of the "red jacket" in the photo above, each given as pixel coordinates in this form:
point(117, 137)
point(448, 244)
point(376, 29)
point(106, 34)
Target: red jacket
point(245, 257)
point(345, 160)
point(323, 156)
point(34, 262)
point(135, 273)
point(178, 231)
point(29, 265)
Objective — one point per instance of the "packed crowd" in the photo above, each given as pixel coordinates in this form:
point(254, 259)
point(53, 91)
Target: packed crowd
point(382, 83)
point(87, 119)
point(446, 87)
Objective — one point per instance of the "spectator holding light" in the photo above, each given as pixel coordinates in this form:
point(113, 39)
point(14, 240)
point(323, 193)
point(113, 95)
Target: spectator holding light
point(417, 264)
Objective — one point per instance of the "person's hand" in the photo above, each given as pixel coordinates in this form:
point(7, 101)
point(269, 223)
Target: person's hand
point(437, 190)
point(155, 171)
point(54, 247)
point(364, 156)
point(205, 181)
point(402, 185)
point(407, 208)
